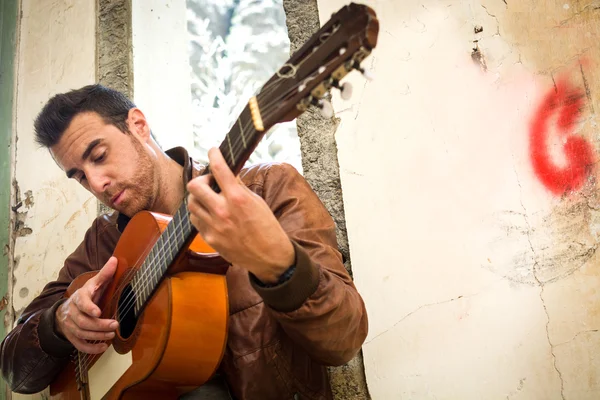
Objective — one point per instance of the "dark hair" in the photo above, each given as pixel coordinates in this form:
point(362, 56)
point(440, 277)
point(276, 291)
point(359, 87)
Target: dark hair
point(60, 110)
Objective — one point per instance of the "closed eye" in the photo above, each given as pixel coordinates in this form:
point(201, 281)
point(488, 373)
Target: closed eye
point(100, 158)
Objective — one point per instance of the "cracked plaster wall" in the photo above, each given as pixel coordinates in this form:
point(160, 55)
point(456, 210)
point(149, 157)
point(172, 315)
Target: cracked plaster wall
point(159, 32)
point(479, 276)
point(51, 214)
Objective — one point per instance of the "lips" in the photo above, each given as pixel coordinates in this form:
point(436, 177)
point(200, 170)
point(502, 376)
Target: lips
point(117, 198)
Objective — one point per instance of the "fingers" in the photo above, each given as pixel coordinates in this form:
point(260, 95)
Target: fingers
point(87, 347)
point(92, 335)
point(96, 286)
point(80, 329)
point(202, 194)
point(82, 326)
point(197, 209)
point(85, 322)
point(220, 170)
point(105, 275)
point(82, 300)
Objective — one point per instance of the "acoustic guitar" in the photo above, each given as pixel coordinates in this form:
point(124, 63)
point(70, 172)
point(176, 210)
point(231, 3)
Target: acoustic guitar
point(169, 292)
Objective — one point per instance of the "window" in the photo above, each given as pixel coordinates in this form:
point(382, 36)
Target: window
point(235, 46)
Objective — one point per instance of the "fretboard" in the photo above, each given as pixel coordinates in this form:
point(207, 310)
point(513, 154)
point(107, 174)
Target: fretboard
point(166, 248)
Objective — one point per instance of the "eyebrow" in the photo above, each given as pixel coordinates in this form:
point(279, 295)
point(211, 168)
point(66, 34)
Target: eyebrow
point(85, 155)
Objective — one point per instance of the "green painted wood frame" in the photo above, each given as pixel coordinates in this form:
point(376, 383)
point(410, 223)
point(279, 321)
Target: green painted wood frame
point(8, 45)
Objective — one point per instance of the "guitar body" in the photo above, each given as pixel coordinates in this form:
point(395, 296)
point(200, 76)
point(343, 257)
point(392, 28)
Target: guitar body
point(177, 342)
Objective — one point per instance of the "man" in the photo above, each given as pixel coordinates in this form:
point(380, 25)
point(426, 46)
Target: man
point(293, 308)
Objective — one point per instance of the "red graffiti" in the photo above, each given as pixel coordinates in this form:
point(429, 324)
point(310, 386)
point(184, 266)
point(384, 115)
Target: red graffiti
point(566, 104)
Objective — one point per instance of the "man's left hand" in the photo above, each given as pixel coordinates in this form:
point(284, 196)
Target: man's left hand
point(238, 223)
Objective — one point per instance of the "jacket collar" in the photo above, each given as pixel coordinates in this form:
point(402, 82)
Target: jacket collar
point(179, 155)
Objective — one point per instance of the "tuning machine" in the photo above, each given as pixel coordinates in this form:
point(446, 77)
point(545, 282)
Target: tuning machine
point(367, 74)
point(325, 106)
point(345, 89)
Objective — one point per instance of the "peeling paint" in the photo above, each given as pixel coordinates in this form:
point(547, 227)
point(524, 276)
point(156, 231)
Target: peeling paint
point(20, 227)
point(28, 199)
point(4, 302)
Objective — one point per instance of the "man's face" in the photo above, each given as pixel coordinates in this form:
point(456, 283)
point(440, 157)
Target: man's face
point(115, 167)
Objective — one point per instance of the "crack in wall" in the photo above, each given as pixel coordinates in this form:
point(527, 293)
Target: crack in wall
point(411, 313)
point(576, 336)
point(593, 8)
point(495, 17)
point(541, 284)
point(429, 305)
point(588, 91)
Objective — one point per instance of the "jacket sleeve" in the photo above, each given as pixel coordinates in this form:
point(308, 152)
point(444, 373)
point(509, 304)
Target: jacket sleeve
point(32, 354)
point(318, 306)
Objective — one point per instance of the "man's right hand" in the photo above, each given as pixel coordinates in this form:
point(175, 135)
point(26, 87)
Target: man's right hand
point(77, 319)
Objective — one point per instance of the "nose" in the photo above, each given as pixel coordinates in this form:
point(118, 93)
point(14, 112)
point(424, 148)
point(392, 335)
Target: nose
point(98, 182)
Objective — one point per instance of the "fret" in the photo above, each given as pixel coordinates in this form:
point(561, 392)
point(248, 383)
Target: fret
point(230, 149)
point(242, 133)
point(178, 215)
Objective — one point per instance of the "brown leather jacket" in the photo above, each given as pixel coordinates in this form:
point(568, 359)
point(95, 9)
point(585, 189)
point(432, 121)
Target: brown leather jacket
point(280, 338)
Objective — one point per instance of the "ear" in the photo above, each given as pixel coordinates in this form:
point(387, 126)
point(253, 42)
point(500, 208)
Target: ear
point(138, 125)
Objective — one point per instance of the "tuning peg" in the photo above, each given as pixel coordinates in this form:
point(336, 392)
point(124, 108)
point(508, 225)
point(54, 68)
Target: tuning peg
point(346, 91)
point(367, 74)
point(326, 108)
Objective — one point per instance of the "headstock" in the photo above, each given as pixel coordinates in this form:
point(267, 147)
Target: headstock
point(320, 65)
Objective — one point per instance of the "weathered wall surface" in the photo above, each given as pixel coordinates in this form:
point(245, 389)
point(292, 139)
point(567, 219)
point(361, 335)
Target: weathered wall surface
point(469, 172)
point(57, 210)
point(161, 69)
point(56, 53)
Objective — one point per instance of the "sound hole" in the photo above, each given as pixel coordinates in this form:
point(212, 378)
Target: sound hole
point(126, 315)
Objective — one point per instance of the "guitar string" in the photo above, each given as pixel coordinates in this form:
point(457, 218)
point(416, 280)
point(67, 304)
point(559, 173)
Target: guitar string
point(146, 280)
point(117, 291)
point(132, 298)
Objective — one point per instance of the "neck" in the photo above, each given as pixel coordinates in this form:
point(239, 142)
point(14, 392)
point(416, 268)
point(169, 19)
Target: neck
point(170, 186)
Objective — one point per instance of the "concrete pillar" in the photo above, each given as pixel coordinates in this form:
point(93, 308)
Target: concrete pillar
point(321, 170)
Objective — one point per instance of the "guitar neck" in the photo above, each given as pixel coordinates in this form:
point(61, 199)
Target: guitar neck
point(176, 237)
point(237, 147)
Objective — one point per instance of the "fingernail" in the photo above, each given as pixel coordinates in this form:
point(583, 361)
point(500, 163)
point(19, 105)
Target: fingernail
point(110, 335)
point(114, 325)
